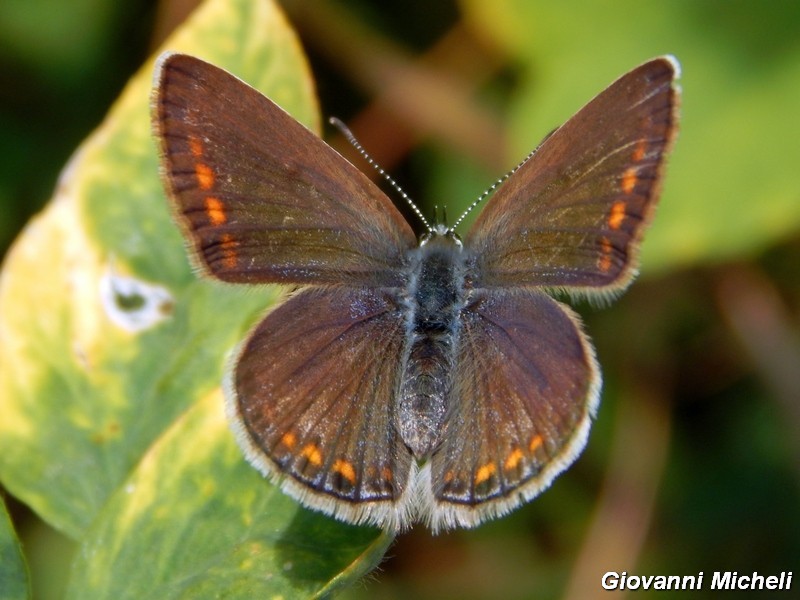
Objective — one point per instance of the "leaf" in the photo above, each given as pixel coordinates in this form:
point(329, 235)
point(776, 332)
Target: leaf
point(107, 340)
point(732, 186)
point(194, 521)
point(14, 584)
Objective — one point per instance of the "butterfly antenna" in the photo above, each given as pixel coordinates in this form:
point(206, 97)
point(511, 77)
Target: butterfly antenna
point(345, 131)
point(492, 188)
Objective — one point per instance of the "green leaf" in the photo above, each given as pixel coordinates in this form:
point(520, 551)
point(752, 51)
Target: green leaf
point(108, 340)
point(194, 521)
point(14, 583)
point(34, 35)
point(732, 184)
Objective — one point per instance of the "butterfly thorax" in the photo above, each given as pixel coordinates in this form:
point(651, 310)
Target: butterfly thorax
point(433, 301)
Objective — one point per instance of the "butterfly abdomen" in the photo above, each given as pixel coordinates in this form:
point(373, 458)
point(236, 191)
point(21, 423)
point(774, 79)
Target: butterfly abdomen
point(433, 302)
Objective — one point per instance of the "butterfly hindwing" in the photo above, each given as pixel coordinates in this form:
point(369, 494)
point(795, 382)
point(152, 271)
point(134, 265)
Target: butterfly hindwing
point(310, 394)
point(524, 392)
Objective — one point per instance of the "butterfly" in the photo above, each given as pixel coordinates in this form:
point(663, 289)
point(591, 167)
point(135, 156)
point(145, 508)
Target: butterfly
point(403, 380)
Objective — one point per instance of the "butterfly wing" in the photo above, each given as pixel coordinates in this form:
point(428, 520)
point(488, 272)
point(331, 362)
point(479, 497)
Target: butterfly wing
point(573, 214)
point(309, 397)
point(526, 388)
point(260, 197)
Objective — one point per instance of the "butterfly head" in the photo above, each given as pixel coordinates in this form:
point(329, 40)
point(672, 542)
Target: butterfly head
point(441, 233)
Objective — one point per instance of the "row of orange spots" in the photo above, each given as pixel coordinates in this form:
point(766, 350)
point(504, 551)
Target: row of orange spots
point(516, 455)
point(617, 215)
point(615, 219)
point(512, 461)
point(204, 173)
point(629, 177)
point(205, 179)
point(313, 454)
point(214, 207)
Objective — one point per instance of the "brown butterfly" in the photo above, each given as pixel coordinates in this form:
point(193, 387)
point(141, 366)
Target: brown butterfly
point(408, 380)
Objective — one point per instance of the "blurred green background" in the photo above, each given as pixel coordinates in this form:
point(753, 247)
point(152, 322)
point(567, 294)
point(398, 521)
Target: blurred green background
point(694, 461)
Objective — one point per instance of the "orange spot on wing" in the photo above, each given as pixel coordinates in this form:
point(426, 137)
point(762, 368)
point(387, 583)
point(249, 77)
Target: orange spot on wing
point(604, 262)
point(629, 180)
point(205, 176)
point(535, 443)
point(312, 453)
point(617, 215)
point(484, 472)
point(195, 147)
point(638, 152)
point(289, 439)
point(386, 472)
point(229, 254)
point(345, 469)
point(513, 459)
point(215, 210)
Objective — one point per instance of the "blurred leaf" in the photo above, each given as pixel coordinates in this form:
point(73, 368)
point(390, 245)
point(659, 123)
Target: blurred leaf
point(194, 521)
point(732, 185)
point(84, 396)
point(53, 34)
point(107, 339)
point(14, 583)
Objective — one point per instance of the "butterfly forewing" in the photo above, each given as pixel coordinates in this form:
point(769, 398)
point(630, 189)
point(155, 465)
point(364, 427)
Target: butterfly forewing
point(573, 214)
point(526, 388)
point(310, 392)
point(269, 201)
